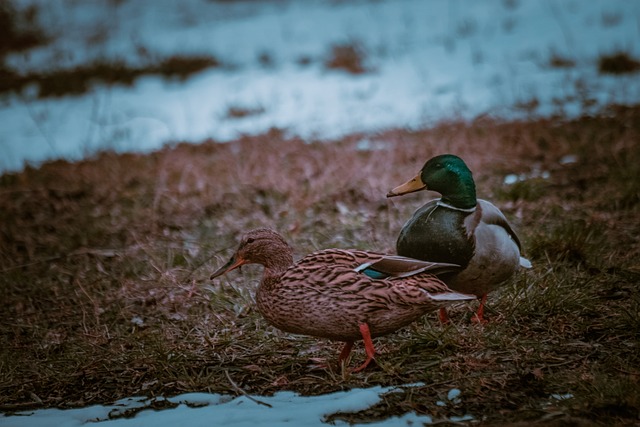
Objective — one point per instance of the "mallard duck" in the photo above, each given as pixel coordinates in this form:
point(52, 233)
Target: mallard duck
point(458, 228)
point(342, 295)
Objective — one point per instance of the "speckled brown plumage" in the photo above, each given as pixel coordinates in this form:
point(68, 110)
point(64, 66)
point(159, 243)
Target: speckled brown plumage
point(332, 294)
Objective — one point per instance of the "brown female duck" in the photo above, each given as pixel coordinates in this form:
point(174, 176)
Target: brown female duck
point(460, 229)
point(342, 295)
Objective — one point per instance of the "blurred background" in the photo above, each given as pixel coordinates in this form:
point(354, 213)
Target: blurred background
point(80, 77)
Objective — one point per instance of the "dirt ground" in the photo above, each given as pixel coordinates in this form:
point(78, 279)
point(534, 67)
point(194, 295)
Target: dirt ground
point(105, 264)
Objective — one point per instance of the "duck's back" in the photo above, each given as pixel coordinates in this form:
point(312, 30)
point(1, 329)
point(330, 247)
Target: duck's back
point(324, 295)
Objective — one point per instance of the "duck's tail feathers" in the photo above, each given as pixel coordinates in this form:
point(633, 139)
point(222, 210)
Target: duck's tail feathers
point(450, 296)
point(525, 263)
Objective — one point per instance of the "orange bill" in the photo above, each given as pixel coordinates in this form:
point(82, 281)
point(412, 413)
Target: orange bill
point(233, 263)
point(411, 186)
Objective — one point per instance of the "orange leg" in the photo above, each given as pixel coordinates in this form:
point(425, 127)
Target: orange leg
point(344, 354)
point(444, 317)
point(479, 316)
point(368, 346)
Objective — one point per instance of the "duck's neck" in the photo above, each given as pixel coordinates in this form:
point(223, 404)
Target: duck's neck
point(463, 195)
point(276, 264)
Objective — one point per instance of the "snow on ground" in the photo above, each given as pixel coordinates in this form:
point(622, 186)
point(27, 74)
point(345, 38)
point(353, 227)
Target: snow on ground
point(199, 409)
point(428, 59)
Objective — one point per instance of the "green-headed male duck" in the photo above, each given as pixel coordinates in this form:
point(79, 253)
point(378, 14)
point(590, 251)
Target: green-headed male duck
point(460, 229)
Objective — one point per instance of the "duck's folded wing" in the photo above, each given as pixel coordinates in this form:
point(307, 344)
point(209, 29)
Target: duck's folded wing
point(398, 266)
point(414, 291)
point(492, 215)
point(373, 264)
point(349, 258)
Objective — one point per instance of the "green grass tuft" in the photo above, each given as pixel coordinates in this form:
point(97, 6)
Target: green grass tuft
point(574, 241)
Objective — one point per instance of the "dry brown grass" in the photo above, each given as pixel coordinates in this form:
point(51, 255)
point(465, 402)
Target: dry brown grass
point(349, 57)
point(104, 269)
point(83, 78)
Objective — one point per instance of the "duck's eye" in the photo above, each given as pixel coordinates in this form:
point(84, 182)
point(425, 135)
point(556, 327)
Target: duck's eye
point(251, 240)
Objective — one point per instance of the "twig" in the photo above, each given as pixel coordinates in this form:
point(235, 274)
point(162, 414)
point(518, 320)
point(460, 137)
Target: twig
point(29, 264)
point(238, 389)
point(567, 362)
point(83, 251)
point(635, 374)
point(193, 270)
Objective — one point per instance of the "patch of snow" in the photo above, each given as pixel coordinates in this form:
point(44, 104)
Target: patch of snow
point(430, 60)
point(511, 179)
point(569, 159)
point(562, 396)
point(200, 409)
point(137, 320)
point(454, 394)
point(462, 418)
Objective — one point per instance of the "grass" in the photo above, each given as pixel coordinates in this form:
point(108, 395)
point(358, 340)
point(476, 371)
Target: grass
point(618, 63)
point(104, 269)
point(557, 60)
point(19, 30)
point(240, 112)
point(80, 79)
point(349, 57)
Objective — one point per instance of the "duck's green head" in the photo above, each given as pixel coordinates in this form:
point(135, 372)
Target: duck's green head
point(446, 174)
